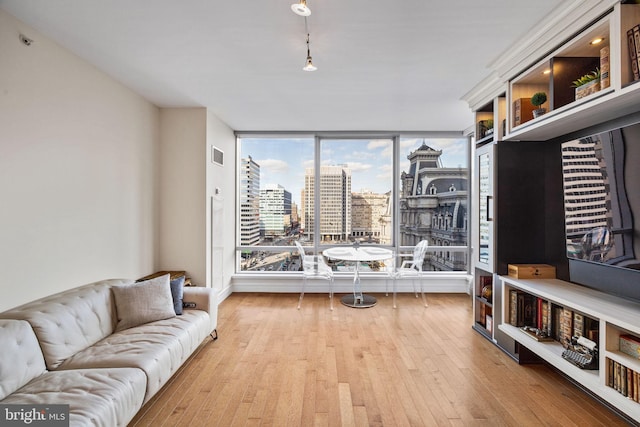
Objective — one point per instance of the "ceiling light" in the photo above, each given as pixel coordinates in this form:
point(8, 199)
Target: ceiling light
point(301, 8)
point(309, 65)
point(597, 40)
point(547, 71)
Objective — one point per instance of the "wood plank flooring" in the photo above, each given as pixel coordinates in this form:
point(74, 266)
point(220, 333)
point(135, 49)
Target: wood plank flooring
point(274, 365)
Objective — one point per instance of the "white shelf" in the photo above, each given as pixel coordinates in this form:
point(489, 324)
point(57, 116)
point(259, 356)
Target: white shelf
point(616, 315)
point(615, 310)
point(551, 352)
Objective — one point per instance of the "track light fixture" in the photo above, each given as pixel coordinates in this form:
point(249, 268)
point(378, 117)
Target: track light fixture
point(309, 65)
point(301, 8)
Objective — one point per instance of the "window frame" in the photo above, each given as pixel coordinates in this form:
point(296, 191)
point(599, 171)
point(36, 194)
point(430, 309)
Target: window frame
point(318, 246)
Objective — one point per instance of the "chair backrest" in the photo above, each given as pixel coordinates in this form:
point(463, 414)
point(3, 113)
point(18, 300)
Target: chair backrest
point(300, 249)
point(419, 252)
point(309, 263)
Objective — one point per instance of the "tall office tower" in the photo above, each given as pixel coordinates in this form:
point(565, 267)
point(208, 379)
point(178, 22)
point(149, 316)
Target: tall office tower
point(433, 207)
point(367, 216)
point(586, 189)
point(295, 216)
point(335, 203)
point(275, 210)
point(249, 202)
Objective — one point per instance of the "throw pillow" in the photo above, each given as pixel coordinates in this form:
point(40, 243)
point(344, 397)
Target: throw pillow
point(143, 302)
point(177, 292)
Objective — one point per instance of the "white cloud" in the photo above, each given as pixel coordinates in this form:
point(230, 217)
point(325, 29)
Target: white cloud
point(359, 167)
point(273, 165)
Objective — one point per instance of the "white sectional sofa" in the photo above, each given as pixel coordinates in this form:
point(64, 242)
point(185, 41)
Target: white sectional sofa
point(80, 348)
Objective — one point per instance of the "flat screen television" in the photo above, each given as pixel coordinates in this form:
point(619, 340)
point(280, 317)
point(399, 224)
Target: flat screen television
point(601, 180)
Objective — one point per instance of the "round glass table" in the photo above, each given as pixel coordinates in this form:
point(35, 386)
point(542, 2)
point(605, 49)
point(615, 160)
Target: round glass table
point(358, 255)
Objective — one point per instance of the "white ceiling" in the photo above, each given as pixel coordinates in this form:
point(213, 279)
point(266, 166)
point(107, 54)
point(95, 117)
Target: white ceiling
point(382, 65)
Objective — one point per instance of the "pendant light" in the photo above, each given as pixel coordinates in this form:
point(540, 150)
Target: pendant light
point(309, 65)
point(301, 8)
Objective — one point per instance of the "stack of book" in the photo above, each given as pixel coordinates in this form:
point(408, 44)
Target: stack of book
point(622, 379)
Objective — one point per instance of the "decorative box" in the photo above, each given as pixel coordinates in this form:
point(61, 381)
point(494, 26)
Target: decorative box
point(630, 345)
point(532, 271)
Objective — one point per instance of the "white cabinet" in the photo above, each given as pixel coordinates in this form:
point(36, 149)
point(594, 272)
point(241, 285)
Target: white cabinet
point(615, 316)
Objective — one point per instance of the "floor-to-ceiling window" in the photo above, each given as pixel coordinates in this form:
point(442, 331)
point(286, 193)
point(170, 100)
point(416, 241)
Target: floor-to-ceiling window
point(329, 189)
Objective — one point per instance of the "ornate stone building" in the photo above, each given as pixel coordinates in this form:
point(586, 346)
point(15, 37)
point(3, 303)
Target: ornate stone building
point(433, 207)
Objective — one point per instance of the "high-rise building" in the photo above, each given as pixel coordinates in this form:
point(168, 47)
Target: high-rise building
point(275, 210)
point(433, 207)
point(368, 210)
point(335, 203)
point(586, 189)
point(249, 190)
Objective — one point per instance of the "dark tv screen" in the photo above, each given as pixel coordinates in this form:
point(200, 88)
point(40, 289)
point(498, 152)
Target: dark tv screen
point(601, 180)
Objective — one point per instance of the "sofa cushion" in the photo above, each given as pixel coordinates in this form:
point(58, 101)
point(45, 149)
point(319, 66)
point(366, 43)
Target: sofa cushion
point(96, 397)
point(70, 321)
point(158, 348)
point(143, 302)
point(22, 359)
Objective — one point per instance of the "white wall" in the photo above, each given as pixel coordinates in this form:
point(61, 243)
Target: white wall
point(78, 163)
point(221, 207)
point(182, 233)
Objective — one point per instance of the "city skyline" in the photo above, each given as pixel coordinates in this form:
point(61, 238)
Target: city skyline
point(283, 160)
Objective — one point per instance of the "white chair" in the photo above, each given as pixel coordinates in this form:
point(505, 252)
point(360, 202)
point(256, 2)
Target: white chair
point(411, 269)
point(314, 267)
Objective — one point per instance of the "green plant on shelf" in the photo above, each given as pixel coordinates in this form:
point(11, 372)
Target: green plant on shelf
point(538, 99)
point(587, 78)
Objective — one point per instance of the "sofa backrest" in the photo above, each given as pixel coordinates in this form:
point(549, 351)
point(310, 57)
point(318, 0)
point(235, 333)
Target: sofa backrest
point(21, 359)
point(70, 321)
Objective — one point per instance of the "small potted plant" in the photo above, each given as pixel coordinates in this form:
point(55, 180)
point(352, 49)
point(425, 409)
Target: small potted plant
point(587, 84)
point(537, 100)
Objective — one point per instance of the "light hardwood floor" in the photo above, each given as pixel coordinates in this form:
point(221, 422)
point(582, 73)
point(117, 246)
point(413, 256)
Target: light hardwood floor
point(274, 365)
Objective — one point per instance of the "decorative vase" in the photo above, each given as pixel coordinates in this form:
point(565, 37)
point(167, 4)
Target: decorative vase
point(587, 89)
point(538, 112)
point(486, 292)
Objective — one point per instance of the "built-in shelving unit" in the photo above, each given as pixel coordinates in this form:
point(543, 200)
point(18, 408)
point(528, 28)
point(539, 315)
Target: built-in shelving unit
point(615, 316)
point(518, 208)
point(556, 72)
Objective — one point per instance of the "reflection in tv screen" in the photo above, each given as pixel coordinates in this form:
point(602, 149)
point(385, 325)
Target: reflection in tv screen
point(602, 195)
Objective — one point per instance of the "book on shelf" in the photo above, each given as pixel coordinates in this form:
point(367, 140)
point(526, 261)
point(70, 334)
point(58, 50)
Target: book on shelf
point(633, 57)
point(566, 324)
point(556, 322)
point(605, 80)
point(522, 111)
point(624, 380)
point(539, 313)
point(513, 307)
point(545, 317)
point(578, 325)
point(636, 40)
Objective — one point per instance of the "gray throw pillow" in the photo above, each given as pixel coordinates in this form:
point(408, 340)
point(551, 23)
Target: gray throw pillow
point(177, 292)
point(143, 302)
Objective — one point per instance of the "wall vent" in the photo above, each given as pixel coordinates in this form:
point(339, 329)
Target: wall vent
point(217, 156)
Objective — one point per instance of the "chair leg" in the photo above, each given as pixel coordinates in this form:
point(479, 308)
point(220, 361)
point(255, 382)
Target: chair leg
point(331, 294)
point(304, 282)
point(424, 299)
point(395, 289)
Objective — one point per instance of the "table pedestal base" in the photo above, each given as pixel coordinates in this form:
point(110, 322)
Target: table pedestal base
point(365, 301)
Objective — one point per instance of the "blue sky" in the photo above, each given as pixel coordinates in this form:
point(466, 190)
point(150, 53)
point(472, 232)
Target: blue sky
point(283, 161)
